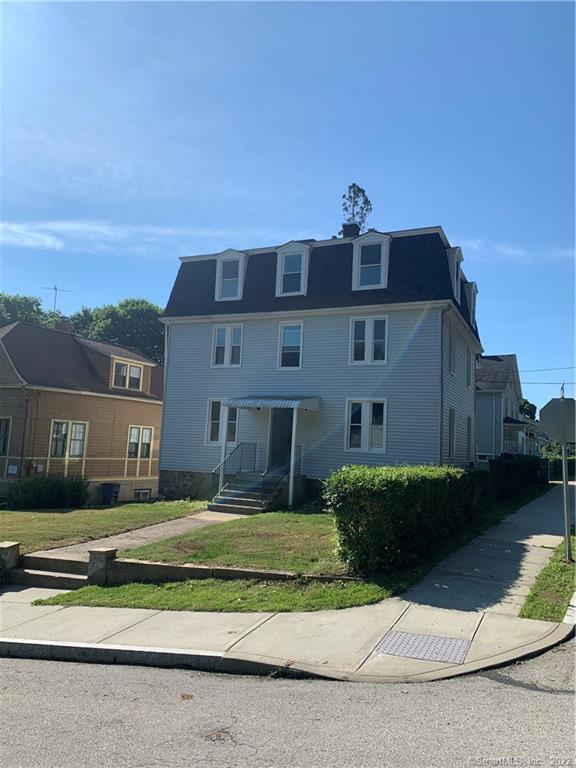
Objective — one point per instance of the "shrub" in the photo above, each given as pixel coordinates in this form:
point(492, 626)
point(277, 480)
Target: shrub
point(48, 492)
point(555, 464)
point(513, 474)
point(387, 517)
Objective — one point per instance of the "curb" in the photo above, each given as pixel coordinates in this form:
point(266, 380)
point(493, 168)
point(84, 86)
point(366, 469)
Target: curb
point(220, 662)
point(89, 653)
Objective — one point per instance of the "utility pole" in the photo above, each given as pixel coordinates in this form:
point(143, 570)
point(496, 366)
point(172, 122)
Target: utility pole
point(567, 544)
point(56, 290)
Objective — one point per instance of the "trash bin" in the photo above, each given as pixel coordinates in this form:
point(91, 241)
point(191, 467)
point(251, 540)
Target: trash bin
point(110, 492)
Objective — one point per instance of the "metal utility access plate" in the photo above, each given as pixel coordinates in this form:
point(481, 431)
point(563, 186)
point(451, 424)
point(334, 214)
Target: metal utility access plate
point(428, 647)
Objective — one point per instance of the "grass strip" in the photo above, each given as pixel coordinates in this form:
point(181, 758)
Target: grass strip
point(550, 596)
point(226, 595)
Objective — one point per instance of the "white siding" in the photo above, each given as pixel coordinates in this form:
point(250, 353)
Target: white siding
point(456, 393)
point(410, 382)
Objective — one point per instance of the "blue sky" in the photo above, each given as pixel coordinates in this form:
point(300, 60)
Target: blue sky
point(133, 133)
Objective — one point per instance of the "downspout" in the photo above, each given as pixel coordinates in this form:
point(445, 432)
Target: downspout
point(493, 425)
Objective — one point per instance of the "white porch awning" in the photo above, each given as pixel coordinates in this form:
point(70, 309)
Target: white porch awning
point(301, 403)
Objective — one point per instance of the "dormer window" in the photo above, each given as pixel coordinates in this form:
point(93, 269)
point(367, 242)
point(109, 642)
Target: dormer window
point(370, 269)
point(127, 375)
point(229, 276)
point(292, 270)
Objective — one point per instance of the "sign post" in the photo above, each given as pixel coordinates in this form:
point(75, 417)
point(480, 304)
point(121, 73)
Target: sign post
point(557, 419)
point(567, 542)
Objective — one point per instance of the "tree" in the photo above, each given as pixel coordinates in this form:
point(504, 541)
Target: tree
point(131, 322)
point(356, 206)
point(25, 308)
point(528, 409)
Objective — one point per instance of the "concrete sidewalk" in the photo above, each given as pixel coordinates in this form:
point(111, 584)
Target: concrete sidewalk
point(140, 536)
point(496, 571)
point(393, 641)
point(461, 618)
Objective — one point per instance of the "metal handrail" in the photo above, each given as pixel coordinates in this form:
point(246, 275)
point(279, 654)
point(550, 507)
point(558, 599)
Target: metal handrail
point(241, 459)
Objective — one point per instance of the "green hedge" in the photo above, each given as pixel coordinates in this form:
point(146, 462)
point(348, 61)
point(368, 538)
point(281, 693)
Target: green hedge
point(387, 517)
point(513, 474)
point(48, 492)
point(555, 463)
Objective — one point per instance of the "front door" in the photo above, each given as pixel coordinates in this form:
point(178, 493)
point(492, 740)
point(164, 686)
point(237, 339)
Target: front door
point(280, 438)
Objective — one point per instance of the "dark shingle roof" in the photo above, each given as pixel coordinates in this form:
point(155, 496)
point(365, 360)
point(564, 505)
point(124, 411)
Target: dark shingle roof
point(494, 372)
point(418, 271)
point(45, 357)
point(115, 350)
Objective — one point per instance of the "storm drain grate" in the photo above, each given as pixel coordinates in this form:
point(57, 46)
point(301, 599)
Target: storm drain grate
point(428, 647)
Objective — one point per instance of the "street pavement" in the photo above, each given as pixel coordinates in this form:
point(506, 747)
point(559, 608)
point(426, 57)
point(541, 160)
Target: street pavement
point(63, 715)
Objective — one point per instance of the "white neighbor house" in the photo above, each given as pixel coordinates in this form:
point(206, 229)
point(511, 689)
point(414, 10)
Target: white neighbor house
point(285, 363)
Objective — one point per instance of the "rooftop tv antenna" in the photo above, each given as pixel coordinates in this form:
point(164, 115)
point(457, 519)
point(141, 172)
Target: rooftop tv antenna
point(57, 290)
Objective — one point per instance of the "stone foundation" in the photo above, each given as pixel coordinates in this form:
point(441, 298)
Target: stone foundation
point(177, 484)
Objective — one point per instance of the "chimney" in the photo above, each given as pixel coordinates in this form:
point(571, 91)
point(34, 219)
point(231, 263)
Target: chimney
point(63, 324)
point(350, 229)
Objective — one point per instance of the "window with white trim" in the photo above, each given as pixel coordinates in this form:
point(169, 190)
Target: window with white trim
point(366, 425)
point(229, 277)
point(4, 436)
point(368, 340)
point(127, 375)
point(290, 346)
point(291, 271)
point(227, 346)
point(139, 442)
point(68, 440)
point(370, 266)
point(215, 426)
point(142, 494)
point(451, 350)
point(451, 433)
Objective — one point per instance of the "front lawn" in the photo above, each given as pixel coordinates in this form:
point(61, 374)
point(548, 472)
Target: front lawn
point(299, 542)
point(224, 595)
point(46, 530)
point(285, 541)
point(550, 595)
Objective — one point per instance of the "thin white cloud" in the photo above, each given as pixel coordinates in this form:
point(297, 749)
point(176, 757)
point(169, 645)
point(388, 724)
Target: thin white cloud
point(81, 235)
point(487, 250)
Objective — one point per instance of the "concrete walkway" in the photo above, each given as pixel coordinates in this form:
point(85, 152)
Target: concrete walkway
point(461, 618)
point(496, 571)
point(141, 536)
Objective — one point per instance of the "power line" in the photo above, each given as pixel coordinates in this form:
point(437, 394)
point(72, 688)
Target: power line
point(536, 370)
point(57, 290)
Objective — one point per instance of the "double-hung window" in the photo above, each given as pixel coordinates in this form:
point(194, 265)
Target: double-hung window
point(68, 439)
point(215, 423)
point(369, 340)
point(139, 442)
point(227, 346)
point(127, 375)
point(451, 433)
point(370, 269)
point(292, 269)
point(229, 275)
point(290, 346)
point(451, 350)
point(366, 425)
point(4, 436)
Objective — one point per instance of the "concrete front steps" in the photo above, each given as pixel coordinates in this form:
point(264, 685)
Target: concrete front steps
point(50, 572)
point(241, 495)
